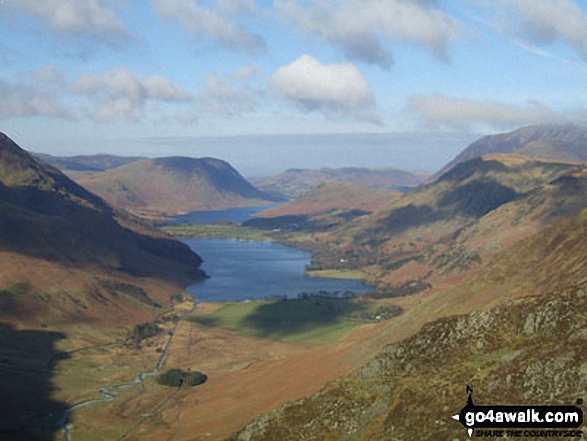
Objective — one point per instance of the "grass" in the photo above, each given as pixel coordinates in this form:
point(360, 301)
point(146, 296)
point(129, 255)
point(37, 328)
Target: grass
point(218, 232)
point(318, 320)
point(338, 274)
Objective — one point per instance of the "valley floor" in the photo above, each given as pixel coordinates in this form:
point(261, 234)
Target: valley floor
point(247, 376)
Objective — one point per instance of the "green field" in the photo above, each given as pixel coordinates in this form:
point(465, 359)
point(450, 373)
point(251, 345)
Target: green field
point(204, 231)
point(313, 319)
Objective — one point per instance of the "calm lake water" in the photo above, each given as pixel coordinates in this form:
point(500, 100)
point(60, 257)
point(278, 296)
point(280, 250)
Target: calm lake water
point(247, 270)
point(236, 215)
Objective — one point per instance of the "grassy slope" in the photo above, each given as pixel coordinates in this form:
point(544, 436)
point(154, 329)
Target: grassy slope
point(61, 343)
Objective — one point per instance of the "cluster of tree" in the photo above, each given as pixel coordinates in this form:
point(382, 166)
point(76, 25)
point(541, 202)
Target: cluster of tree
point(141, 332)
point(327, 257)
point(405, 289)
point(386, 312)
point(330, 294)
point(117, 289)
point(181, 378)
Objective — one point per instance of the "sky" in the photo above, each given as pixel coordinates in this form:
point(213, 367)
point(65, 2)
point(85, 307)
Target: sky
point(270, 85)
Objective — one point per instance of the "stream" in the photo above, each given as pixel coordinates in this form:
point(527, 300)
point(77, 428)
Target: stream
point(108, 393)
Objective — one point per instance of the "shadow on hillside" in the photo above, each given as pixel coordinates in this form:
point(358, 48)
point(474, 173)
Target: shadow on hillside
point(472, 200)
point(291, 316)
point(55, 227)
point(27, 362)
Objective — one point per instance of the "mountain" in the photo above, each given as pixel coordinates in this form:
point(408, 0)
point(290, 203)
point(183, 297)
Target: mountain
point(293, 183)
point(324, 207)
point(333, 195)
point(441, 232)
point(564, 142)
point(86, 163)
point(47, 216)
point(75, 274)
point(174, 185)
point(522, 345)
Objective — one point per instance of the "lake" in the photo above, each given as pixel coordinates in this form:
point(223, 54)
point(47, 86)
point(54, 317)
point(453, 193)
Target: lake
point(236, 215)
point(247, 270)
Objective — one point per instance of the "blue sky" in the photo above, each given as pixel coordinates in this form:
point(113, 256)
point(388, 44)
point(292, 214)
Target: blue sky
point(405, 83)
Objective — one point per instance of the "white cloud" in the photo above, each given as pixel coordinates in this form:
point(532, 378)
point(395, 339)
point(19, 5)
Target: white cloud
point(361, 28)
point(333, 89)
point(543, 22)
point(20, 100)
point(203, 23)
point(466, 113)
point(84, 18)
point(122, 94)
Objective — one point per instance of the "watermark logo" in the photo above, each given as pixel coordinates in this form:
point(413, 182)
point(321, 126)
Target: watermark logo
point(520, 421)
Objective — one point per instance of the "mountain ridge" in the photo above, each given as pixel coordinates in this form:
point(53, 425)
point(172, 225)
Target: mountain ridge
point(86, 163)
point(446, 228)
point(293, 183)
point(565, 142)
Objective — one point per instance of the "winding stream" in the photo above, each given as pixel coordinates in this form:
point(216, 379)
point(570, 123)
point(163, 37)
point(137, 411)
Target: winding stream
point(108, 393)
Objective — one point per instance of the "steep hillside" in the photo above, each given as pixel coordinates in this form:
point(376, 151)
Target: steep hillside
point(294, 183)
point(75, 275)
point(174, 185)
point(527, 349)
point(47, 216)
point(564, 142)
point(447, 228)
point(523, 353)
point(541, 263)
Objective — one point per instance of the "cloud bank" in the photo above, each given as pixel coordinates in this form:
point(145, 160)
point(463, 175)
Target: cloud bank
point(362, 28)
point(544, 22)
point(462, 113)
point(93, 19)
point(203, 23)
point(21, 100)
point(122, 94)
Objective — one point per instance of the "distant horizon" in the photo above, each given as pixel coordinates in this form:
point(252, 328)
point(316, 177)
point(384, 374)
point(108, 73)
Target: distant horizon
point(265, 155)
